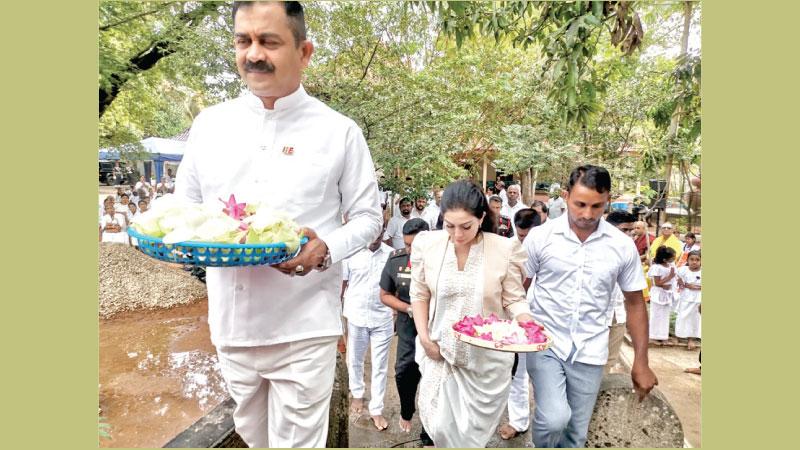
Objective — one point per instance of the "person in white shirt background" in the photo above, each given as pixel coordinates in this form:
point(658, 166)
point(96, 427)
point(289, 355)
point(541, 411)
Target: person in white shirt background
point(519, 406)
point(369, 324)
point(123, 208)
point(575, 261)
point(513, 203)
point(624, 221)
point(432, 212)
point(393, 236)
point(556, 205)
point(420, 208)
point(662, 273)
point(276, 331)
point(687, 323)
point(113, 226)
point(500, 189)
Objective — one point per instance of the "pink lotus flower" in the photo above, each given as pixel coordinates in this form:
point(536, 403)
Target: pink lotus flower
point(233, 209)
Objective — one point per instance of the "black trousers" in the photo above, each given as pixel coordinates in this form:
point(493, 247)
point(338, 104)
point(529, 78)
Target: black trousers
point(406, 370)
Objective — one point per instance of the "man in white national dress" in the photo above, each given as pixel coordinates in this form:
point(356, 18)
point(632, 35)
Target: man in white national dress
point(276, 328)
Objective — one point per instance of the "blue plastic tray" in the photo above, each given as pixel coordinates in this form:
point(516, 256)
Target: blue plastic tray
point(208, 254)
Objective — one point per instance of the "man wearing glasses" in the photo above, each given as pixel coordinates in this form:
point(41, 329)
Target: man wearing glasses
point(667, 238)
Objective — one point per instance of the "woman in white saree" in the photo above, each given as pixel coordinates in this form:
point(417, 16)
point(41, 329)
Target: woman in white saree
point(465, 269)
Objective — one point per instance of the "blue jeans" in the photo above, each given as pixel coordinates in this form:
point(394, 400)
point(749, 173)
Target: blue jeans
point(564, 395)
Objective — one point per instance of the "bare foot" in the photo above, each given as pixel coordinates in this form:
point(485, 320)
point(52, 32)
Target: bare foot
point(357, 405)
point(380, 422)
point(508, 432)
point(655, 342)
point(405, 425)
point(690, 345)
point(694, 370)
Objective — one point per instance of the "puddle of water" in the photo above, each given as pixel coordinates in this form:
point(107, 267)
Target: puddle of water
point(158, 374)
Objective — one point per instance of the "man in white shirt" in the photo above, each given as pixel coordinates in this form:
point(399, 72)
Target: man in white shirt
point(420, 208)
point(513, 204)
point(624, 221)
point(556, 206)
point(276, 330)
point(141, 184)
point(431, 215)
point(369, 324)
point(576, 261)
point(519, 405)
point(393, 236)
point(500, 189)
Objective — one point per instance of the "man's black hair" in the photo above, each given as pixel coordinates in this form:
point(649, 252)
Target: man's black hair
point(541, 204)
point(496, 198)
point(694, 253)
point(405, 200)
point(619, 217)
point(527, 218)
point(294, 12)
point(690, 235)
point(414, 226)
point(593, 177)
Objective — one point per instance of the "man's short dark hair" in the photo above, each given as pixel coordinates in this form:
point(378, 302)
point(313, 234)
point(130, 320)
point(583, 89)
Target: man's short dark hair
point(619, 217)
point(540, 204)
point(496, 199)
point(594, 177)
point(294, 12)
point(527, 218)
point(414, 226)
point(405, 200)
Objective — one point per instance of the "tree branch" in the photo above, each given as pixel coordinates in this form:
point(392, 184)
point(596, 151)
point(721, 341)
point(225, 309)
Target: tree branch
point(156, 51)
point(134, 17)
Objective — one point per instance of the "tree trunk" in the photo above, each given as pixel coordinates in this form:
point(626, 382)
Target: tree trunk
point(672, 132)
point(525, 186)
point(533, 185)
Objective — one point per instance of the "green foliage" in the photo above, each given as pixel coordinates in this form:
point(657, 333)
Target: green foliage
point(567, 34)
point(435, 88)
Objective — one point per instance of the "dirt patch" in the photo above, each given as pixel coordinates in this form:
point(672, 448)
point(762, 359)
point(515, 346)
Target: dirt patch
point(131, 281)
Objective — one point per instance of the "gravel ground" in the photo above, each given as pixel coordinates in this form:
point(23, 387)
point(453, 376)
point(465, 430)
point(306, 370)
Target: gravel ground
point(130, 280)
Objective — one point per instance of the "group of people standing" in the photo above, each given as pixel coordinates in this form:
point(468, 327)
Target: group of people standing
point(276, 328)
point(117, 211)
point(571, 273)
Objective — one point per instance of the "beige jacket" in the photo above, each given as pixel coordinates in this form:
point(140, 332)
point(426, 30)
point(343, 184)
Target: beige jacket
point(503, 269)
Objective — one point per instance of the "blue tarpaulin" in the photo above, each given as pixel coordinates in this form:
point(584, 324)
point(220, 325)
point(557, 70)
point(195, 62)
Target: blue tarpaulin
point(159, 149)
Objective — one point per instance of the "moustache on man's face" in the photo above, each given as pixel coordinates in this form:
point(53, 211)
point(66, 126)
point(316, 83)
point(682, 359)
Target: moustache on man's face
point(259, 66)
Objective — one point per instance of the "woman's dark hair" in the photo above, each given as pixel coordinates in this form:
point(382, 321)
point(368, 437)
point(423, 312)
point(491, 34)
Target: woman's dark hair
point(294, 12)
point(527, 218)
point(593, 177)
point(466, 195)
point(694, 253)
point(414, 226)
point(663, 254)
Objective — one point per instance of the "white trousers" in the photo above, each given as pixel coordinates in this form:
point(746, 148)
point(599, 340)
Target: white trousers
point(282, 391)
point(378, 339)
point(519, 405)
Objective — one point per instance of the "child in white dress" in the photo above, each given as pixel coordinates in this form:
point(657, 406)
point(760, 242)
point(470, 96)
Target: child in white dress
point(113, 227)
point(662, 274)
point(687, 325)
